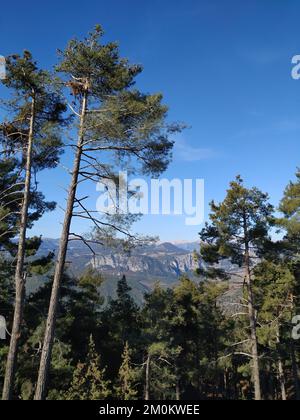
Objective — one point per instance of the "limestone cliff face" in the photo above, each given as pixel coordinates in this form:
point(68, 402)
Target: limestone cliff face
point(152, 262)
point(163, 260)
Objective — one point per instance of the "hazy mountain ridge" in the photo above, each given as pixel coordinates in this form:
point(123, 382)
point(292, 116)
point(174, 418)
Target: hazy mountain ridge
point(163, 262)
point(162, 259)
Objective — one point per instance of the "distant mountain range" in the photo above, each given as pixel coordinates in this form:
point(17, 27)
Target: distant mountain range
point(162, 262)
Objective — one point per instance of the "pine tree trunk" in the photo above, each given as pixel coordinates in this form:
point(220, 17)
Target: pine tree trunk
point(45, 361)
point(147, 385)
point(269, 381)
point(20, 275)
point(226, 385)
point(178, 393)
point(252, 318)
point(281, 369)
point(295, 370)
point(281, 379)
point(255, 358)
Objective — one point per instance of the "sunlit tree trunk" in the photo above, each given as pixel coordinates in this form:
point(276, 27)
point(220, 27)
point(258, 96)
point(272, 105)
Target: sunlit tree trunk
point(60, 264)
point(147, 380)
point(20, 275)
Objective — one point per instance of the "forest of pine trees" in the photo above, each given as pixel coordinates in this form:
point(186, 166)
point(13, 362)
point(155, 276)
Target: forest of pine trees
point(195, 341)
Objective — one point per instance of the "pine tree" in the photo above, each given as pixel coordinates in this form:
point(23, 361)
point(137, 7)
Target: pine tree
point(290, 208)
point(273, 286)
point(122, 314)
point(6, 288)
point(290, 222)
point(159, 376)
point(79, 316)
point(114, 120)
point(89, 379)
point(120, 323)
point(238, 232)
point(184, 335)
point(11, 184)
point(126, 388)
point(36, 112)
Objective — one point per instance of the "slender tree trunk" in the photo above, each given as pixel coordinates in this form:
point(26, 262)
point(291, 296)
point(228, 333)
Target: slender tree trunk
point(295, 370)
point(281, 369)
point(45, 361)
point(178, 390)
point(270, 389)
point(252, 318)
point(20, 275)
point(178, 393)
point(281, 379)
point(147, 385)
point(254, 344)
point(226, 391)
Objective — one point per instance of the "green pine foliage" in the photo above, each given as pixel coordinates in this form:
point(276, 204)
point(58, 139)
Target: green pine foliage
point(127, 380)
point(88, 381)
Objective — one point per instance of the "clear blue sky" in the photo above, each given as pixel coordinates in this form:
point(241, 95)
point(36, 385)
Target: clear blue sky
point(224, 67)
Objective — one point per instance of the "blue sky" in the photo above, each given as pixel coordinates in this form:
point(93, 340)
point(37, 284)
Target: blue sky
point(224, 68)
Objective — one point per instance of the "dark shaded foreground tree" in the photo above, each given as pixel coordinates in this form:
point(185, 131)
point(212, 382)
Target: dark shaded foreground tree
point(10, 198)
point(273, 285)
point(184, 336)
point(31, 136)
point(121, 325)
point(113, 119)
point(78, 319)
point(290, 256)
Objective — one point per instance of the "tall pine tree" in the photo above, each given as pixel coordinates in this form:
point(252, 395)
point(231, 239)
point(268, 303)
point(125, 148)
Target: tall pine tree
point(31, 133)
point(117, 124)
point(238, 232)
